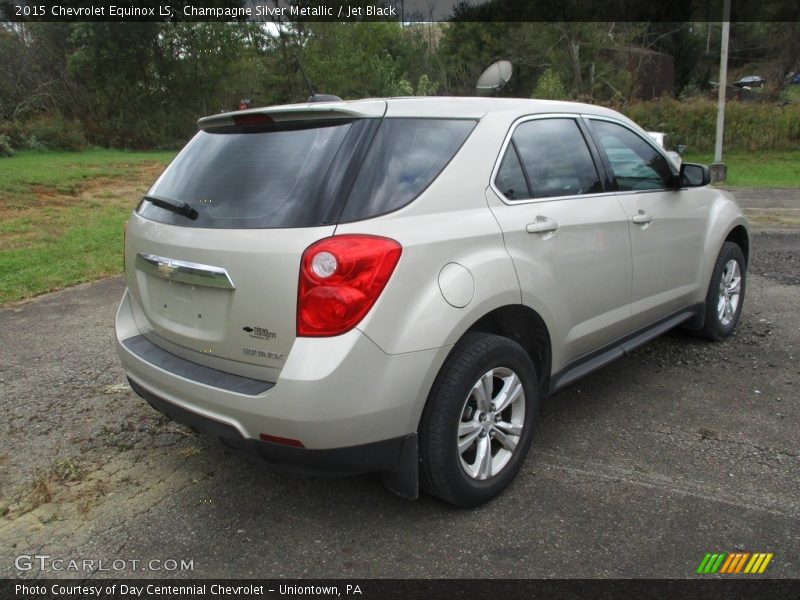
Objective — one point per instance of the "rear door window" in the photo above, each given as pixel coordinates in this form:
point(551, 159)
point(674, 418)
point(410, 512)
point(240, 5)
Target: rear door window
point(510, 178)
point(554, 158)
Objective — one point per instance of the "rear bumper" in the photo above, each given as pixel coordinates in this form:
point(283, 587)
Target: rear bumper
point(382, 457)
point(341, 395)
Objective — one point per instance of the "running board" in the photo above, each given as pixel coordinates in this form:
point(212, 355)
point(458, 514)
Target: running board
point(586, 364)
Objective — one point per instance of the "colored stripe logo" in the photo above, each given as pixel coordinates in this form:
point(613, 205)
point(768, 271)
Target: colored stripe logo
point(734, 563)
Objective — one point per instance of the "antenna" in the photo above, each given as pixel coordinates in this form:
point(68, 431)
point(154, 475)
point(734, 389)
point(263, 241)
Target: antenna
point(494, 78)
point(303, 71)
point(314, 97)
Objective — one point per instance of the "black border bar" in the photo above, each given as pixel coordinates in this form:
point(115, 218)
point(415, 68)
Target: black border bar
point(279, 11)
point(733, 588)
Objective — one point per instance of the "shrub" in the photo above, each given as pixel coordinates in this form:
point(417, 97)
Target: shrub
point(791, 94)
point(749, 126)
point(549, 87)
point(16, 138)
point(5, 146)
point(54, 132)
point(426, 87)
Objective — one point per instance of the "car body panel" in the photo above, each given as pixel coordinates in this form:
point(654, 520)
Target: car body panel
point(667, 252)
point(561, 270)
point(724, 216)
point(430, 321)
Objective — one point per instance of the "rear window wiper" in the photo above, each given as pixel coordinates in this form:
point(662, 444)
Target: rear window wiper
point(176, 206)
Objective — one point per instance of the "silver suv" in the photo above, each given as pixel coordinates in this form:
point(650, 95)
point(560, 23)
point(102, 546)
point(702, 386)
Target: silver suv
point(392, 285)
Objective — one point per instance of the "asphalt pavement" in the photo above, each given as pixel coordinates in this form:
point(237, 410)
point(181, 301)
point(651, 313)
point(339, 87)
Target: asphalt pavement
point(685, 447)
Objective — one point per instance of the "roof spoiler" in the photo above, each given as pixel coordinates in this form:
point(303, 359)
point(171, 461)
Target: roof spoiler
point(324, 107)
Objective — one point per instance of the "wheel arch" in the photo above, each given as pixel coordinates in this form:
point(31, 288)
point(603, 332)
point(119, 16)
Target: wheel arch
point(726, 223)
point(736, 232)
point(525, 326)
point(739, 236)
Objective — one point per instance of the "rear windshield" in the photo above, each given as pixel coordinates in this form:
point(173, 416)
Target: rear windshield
point(258, 177)
point(305, 174)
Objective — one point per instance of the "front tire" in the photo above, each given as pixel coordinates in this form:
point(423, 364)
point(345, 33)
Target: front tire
point(478, 422)
point(725, 296)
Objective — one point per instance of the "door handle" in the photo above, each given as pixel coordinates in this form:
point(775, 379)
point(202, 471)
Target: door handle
point(642, 218)
point(541, 225)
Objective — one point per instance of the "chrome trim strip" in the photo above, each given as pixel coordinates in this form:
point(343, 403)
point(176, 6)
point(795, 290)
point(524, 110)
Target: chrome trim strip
point(184, 271)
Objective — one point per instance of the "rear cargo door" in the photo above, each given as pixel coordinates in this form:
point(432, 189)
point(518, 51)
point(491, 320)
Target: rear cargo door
point(219, 287)
point(216, 300)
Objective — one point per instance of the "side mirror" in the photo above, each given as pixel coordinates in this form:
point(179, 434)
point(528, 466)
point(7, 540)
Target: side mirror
point(693, 175)
point(681, 148)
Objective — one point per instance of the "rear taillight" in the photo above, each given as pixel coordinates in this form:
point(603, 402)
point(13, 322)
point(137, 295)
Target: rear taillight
point(341, 277)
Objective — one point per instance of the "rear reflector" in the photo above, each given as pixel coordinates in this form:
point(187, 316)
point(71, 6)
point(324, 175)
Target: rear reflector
point(281, 440)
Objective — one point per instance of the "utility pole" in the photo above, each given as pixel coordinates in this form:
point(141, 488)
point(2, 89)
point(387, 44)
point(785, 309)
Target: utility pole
point(719, 170)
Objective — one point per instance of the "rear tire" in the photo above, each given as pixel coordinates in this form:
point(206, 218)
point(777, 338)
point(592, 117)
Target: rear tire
point(725, 296)
point(478, 422)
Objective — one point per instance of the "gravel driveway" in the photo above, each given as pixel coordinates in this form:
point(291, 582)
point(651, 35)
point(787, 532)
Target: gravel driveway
point(683, 448)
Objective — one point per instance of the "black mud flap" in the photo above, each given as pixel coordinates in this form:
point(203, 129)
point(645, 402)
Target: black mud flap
point(405, 481)
point(699, 318)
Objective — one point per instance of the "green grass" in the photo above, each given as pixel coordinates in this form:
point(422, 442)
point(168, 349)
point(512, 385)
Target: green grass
point(65, 172)
point(61, 216)
point(88, 246)
point(757, 169)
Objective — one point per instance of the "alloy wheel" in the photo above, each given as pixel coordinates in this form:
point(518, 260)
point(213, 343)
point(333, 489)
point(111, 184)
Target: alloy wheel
point(730, 288)
point(491, 423)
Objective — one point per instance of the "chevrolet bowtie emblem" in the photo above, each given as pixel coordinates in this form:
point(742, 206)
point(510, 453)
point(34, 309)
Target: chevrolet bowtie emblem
point(166, 269)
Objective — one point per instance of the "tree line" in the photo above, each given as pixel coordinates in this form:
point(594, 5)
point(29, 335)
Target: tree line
point(143, 85)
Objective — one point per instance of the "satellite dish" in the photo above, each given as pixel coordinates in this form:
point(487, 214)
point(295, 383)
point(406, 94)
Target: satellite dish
point(494, 78)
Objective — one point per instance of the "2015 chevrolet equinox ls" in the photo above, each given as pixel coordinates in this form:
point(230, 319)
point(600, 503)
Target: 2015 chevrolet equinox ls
point(391, 285)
